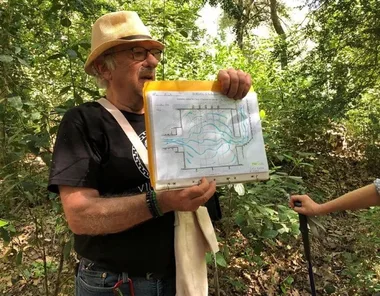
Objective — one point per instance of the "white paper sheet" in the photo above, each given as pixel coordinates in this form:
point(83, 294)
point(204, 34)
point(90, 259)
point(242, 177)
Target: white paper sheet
point(204, 134)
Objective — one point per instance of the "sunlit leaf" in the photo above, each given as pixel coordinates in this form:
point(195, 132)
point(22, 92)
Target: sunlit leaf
point(239, 188)
point(3, 223)
point(23, 62)
point(262, 114)
point(6, 58)
point(16, 102)
point(220, 260)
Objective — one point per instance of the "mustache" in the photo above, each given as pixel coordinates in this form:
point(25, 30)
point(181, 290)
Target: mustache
point(147, 72)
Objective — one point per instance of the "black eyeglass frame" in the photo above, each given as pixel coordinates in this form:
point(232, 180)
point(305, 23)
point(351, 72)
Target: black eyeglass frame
point(157, 53)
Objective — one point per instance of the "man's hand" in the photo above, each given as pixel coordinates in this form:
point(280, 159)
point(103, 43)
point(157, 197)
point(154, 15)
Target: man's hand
point(308, 208)
point(189, 199)
point(235, 83)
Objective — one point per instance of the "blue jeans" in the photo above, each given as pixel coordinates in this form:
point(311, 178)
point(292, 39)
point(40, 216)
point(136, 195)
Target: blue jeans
point(93, 281)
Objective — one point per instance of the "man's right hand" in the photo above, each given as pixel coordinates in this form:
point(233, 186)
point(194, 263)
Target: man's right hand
point(189, 199)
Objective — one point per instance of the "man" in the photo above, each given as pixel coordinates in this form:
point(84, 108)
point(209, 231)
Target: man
point(103, 184)
point(361, 198)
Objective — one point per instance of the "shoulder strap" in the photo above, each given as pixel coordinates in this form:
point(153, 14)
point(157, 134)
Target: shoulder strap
point(127, 128)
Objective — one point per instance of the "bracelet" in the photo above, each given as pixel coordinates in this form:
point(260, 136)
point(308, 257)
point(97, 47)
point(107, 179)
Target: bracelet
point(151, 201)
point(377, 185)
point(156, 206)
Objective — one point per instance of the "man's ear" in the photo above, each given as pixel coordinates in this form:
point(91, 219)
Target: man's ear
point(102, 69)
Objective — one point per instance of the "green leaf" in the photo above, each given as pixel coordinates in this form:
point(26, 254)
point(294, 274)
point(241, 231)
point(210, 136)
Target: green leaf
point(64, 90)
point(11, 228)
point(239, 219)
point(78, 98)
point(72, 53)
point(184, 33)
point(5, 58)
point(289, 280)
point(35, 116)
point(60, 111)
point(3, 223)
point(23, 62)
point(19, 257)
point(290, 157)
point(330, 289)
point(262, 114)
point(55, 56)
point(16, 102)
point(209, 258)
point(85, 45)
point(46, 157)
point(296, 178)
point(4, 234)
point(94, 93)
point(67, 249)
point(269, 233)
point(220, 260)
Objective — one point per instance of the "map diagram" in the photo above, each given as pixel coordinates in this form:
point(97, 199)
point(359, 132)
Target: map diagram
point(204, 133)
point(210, 136)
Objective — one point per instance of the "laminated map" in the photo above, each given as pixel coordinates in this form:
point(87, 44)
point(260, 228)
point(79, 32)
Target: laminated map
point(194, 131)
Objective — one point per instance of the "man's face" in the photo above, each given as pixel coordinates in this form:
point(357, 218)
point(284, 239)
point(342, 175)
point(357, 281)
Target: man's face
point(133, 69)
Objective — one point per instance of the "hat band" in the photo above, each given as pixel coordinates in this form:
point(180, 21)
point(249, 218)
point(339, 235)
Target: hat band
point(132, 37)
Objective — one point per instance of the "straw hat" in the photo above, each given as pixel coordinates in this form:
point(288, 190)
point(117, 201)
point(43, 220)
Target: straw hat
point(115, 28)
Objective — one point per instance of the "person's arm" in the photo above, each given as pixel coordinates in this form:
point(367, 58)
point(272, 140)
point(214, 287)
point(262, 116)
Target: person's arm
point(88, 213)
point(361, 198)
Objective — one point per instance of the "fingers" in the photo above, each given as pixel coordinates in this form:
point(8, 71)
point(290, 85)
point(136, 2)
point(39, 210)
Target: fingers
point(308, 206)
point(189, 199)
point(235, 83)
point(294, 198)
point(224, 80)
point(202, 199)
point(196, 196)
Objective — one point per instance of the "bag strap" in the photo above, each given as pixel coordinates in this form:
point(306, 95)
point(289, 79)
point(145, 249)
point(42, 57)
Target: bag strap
point(127, 128)
point(143, 152)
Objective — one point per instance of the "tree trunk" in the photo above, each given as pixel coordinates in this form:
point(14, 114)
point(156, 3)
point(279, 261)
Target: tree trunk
point(280, 31)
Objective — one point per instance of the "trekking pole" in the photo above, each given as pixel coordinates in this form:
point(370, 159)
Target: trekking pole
point(306, 244)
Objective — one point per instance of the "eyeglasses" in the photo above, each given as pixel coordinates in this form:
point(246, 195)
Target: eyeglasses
point(141, 53)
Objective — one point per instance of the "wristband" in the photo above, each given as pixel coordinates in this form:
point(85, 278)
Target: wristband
point(152, 204)
point(377, 185)
point(157, 208)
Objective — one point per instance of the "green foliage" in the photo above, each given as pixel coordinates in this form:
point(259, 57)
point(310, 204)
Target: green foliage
point(286, 284)
point(261, 212)
point(37, 269)
point(362, 266)
point(332, 82)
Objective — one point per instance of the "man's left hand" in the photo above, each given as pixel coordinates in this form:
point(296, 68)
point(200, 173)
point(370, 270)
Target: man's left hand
point(235, 83)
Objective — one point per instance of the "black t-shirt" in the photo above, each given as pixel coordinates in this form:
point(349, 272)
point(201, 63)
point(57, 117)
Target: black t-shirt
point(92, 151)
